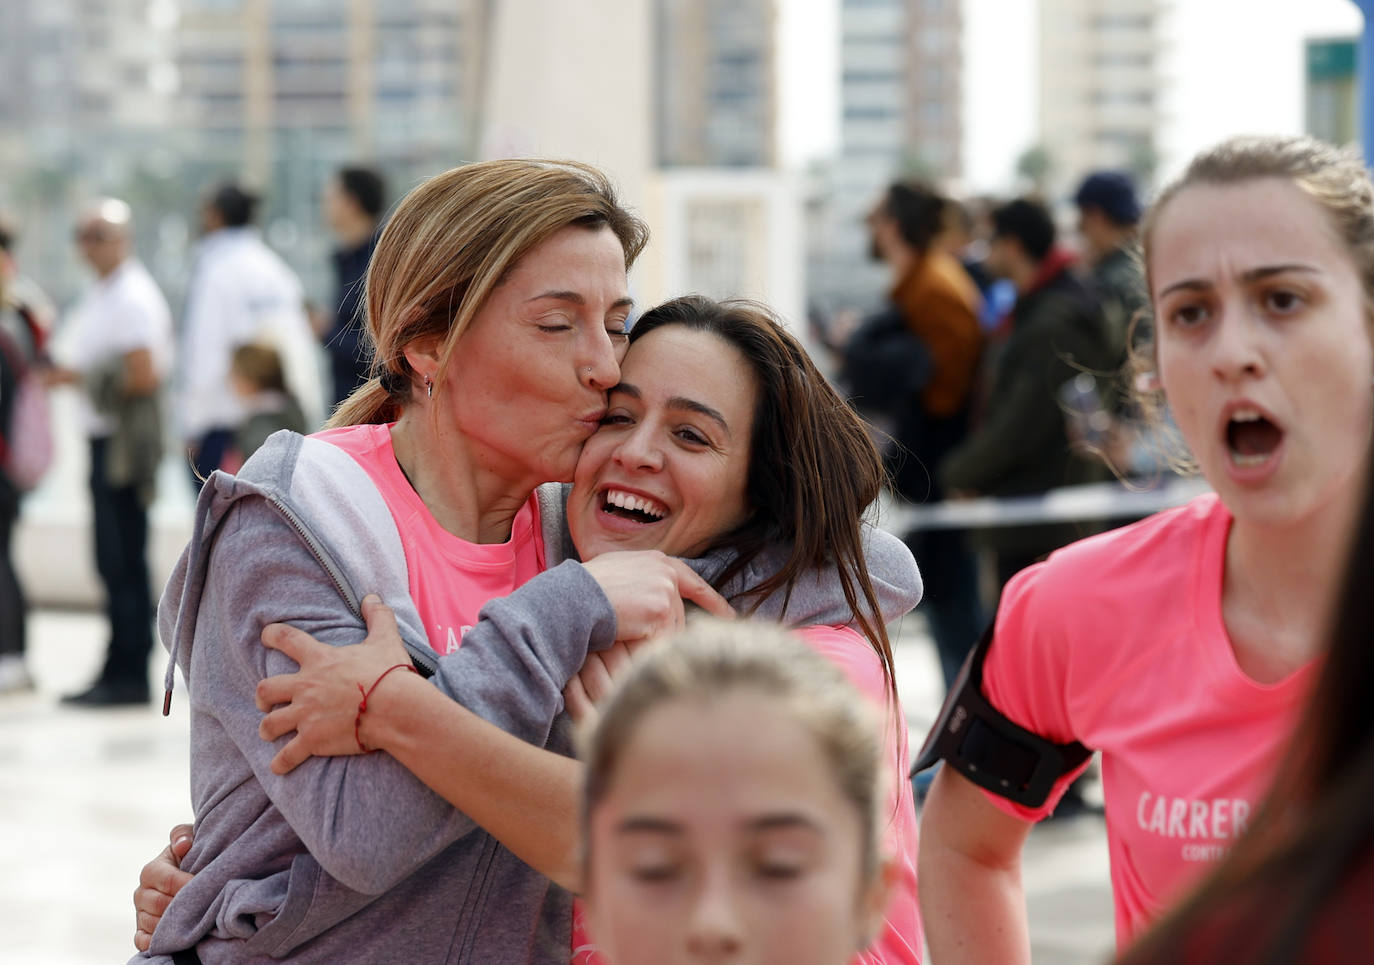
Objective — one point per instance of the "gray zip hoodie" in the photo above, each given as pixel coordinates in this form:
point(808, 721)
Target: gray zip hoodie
point(352, 858)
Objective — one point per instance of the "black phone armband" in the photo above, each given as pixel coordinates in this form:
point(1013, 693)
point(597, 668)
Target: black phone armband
point(981, 743)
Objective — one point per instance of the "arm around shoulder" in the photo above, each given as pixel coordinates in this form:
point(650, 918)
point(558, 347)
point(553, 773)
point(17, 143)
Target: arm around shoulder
point(260, 572)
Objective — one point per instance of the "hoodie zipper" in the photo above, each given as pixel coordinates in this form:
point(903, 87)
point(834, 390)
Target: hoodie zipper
point(424, 660)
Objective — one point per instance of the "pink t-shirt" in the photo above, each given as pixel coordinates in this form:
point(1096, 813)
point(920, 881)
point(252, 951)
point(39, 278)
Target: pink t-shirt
point(1118, 642)
point(450, 578)
point(901, 938)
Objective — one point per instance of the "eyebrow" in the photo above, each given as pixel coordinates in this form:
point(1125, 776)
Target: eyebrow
point(632, 825)
point(577, 298)
point(676, 402)
point(784, 821)
point(1253, 275)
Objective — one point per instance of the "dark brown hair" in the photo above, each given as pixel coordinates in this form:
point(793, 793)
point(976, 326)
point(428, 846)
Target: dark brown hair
point(813, 470)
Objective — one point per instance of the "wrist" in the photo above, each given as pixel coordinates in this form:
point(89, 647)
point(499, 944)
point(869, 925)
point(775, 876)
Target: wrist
point(377, 706)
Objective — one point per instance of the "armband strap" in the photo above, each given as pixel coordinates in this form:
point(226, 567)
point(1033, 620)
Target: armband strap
point(981, 743)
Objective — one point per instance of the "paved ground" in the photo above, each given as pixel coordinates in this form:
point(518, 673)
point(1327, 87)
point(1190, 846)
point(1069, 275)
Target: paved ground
point(86, 797)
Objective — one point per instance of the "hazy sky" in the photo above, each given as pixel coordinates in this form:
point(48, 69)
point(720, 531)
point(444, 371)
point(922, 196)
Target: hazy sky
point(1232, 66)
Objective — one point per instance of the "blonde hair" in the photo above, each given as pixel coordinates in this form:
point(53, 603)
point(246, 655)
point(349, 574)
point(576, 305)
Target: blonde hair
point(1335, 178)
point(451, 242)
point(712, 659)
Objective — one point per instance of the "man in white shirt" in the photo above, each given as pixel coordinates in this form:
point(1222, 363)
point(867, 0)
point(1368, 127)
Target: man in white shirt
point(118, 348)
point(240, 292)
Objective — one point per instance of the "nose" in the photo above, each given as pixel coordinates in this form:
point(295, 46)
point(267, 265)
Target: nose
point(714, 933)
point(599, 368)
point(1236, 350)
point(639, 450)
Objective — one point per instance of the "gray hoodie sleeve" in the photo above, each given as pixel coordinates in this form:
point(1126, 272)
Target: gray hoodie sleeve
point(365, 818)
point(514, 663)
point(817, 598)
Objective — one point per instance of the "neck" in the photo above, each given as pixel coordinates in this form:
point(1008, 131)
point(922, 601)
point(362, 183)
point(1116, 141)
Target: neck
point(1275, 611)
point(354, 234)
point(900, 258)
point(1110, 241)
point(1022, 275)
point(109, 270)
point(464, 491)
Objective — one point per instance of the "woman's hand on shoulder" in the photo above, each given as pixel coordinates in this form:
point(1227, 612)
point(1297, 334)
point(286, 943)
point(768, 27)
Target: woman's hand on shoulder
point(647, 588)
point(320, 701)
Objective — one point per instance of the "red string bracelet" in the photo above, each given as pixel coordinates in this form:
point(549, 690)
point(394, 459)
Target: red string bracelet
point(362, 704)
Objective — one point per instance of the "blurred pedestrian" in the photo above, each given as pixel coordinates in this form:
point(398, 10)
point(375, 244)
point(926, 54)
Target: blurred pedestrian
point(354, 201)
point(1108, 213)
point(240, 292)
point(1021, 444)
point(22, 292)
point(260, 383)
point(25, 447)
point(118, 348)
point(933, 305)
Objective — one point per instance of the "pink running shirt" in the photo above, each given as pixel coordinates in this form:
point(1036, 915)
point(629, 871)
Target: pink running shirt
point(1118, 642)
point(450, 578)
point(901, 940)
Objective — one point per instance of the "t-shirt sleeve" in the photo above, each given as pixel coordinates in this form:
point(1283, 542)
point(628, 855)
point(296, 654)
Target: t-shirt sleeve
point(900, 940)
point(133, 324)
point(1026, 673)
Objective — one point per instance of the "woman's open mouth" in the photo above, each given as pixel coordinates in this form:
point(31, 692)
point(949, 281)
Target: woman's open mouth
point(1251, 438)
point(631, 506)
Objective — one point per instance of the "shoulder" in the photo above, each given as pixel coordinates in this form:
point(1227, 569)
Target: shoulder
point(137, 294)
point(1130, 564)
point(941, 280)
point(851, 652)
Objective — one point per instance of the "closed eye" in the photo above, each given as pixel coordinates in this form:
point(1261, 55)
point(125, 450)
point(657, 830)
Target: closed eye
point(779, 872)
point(655, 873)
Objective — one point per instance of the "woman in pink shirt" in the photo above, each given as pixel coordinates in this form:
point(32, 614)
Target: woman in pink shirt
point(1181, 647)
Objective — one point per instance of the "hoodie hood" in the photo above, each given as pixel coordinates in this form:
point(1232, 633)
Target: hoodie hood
point(342, 503)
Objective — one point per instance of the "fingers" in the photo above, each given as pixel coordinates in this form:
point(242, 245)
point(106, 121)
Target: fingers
point(380, 619)
point(595, 678)
point(694, 588)
point(272, 691)
point(296, 644)
point(161, 875)
point(575, 700)
point(615, 659)
point(180, 837)
point(278, 723)
point(290, 756)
